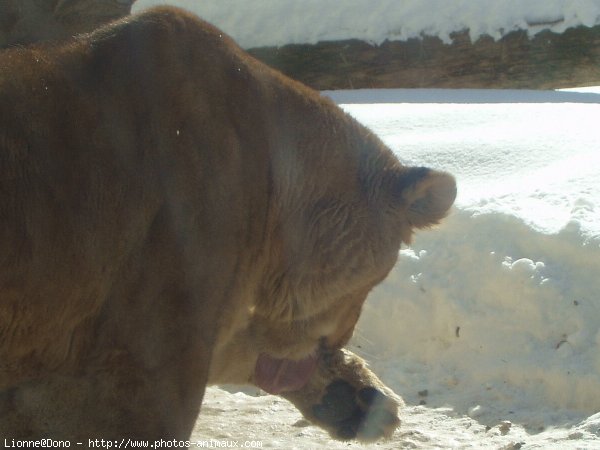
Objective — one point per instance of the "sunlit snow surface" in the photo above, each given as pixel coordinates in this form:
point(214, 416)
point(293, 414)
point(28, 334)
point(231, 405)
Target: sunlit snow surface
point(496, 313)
point(536, 155)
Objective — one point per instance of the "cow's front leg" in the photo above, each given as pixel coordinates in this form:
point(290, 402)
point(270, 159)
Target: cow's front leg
point(347, 399)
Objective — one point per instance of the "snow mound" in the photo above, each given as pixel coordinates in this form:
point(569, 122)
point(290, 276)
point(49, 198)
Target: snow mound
point(496, 314)
point(492, 318)
point(531, 156)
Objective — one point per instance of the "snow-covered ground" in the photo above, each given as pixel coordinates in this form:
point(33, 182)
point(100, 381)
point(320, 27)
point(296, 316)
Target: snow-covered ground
point(260, 23)
point(489, 326)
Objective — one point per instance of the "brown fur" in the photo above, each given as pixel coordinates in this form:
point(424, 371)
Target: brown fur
point(170, 209)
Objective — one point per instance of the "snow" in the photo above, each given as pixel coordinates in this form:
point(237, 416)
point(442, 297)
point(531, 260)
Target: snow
point(505, 146)
point(489, 325)
point(590, 89)
point(261, 23)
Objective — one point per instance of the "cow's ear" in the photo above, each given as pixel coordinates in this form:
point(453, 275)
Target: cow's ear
point(426, 195)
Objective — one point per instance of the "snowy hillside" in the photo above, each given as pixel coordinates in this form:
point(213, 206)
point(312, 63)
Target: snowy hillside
point(261, 23)
point(488, 326)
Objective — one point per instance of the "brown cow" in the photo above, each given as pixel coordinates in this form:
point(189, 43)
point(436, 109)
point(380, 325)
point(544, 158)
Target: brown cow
point(174, 213)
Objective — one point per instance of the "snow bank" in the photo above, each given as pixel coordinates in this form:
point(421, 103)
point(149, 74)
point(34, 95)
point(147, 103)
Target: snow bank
point(496, 314)
point(535, 161)
point(278, 22)
point(491, 318)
